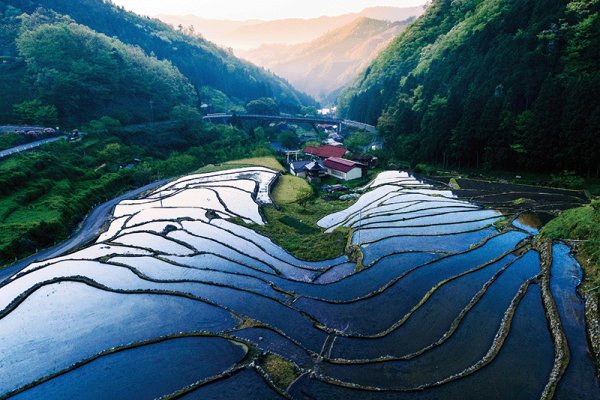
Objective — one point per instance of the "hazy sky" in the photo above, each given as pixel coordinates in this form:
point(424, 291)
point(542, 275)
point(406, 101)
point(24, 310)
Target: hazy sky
point(257, 9)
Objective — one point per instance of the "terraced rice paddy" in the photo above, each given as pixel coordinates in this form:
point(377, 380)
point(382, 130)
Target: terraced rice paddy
point(175, 300)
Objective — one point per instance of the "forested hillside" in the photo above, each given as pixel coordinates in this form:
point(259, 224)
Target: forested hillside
point(90, 58)
point(498, 84)
point(330, 62)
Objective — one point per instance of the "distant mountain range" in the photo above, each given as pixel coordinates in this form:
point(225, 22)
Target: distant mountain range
point(331, 61)
point(254, 33)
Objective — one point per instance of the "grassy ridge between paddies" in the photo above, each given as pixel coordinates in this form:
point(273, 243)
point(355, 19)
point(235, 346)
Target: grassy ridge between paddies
point(266, 161)
point(292, 219)
point(293, 226)
point(581, 224)
point(291, 189)
point(281, 371)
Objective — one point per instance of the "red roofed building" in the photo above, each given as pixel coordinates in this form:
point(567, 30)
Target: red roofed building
point(326, 151)
point(344, 169)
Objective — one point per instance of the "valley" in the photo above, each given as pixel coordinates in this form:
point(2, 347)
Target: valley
point(318, 56)
point(300, 200)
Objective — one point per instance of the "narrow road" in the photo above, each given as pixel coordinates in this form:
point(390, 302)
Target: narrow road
point(90, 230)
point(312, 120)
point(28, 146)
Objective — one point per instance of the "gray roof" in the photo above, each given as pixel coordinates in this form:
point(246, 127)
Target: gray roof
point(300, 166)
point(307, 165)
point(316, 165)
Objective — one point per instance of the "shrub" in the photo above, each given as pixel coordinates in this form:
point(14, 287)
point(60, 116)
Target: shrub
point(568, 179)
point(424, 169)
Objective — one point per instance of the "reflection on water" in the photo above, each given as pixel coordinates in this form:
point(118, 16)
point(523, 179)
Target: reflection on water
point(145, 372)
point(580, 378)
point(440, 292)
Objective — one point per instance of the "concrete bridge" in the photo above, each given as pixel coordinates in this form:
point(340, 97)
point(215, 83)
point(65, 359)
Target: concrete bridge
point(226, 118)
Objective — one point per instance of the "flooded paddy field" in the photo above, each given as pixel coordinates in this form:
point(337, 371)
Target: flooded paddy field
point(450, 299)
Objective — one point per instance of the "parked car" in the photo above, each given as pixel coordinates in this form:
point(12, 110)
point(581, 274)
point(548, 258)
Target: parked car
point(334, 188)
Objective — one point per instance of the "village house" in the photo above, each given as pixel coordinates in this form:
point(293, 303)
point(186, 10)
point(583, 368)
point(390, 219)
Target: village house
point(327, 160)
point(309, 169)
point(332, 142)
point(345, 169)
point(326, 151)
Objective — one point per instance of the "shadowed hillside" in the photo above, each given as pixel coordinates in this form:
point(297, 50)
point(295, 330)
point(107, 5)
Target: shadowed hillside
point(499, 84)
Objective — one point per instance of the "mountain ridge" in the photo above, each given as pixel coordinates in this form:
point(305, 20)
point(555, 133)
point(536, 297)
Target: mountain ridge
point(331, 61)
point(253, 33)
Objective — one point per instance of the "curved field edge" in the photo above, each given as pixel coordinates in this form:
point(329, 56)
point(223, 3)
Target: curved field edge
point(275, 370)
point(580, 227)
point(291, 221)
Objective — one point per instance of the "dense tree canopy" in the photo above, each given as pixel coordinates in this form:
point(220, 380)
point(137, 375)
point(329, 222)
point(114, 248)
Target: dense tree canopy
point(85, 74)
point(499, 84)
point(35, 112)
point(204, 63)
point(84, 64)
point(263, 106)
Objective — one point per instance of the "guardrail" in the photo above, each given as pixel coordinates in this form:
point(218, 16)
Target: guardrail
point(312, 120)
point(28, 146)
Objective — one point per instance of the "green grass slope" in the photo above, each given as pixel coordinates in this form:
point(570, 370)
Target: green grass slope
point(581, 224)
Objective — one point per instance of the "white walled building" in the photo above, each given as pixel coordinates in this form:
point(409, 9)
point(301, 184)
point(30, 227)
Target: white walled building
point(344, 169)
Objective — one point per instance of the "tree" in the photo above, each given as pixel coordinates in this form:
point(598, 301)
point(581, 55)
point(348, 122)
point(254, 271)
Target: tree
point(303, 195)
point(111, 151)
point(358, 140)
point(187, 116)
point(288, 140)
point(86, 74)
point(35, 112)
point(103, 125)
point(490, 84)
point(263, 106)
point(310, 111)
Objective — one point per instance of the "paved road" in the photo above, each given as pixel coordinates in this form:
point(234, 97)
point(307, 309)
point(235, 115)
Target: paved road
point(28, 146)
point(90, 230)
